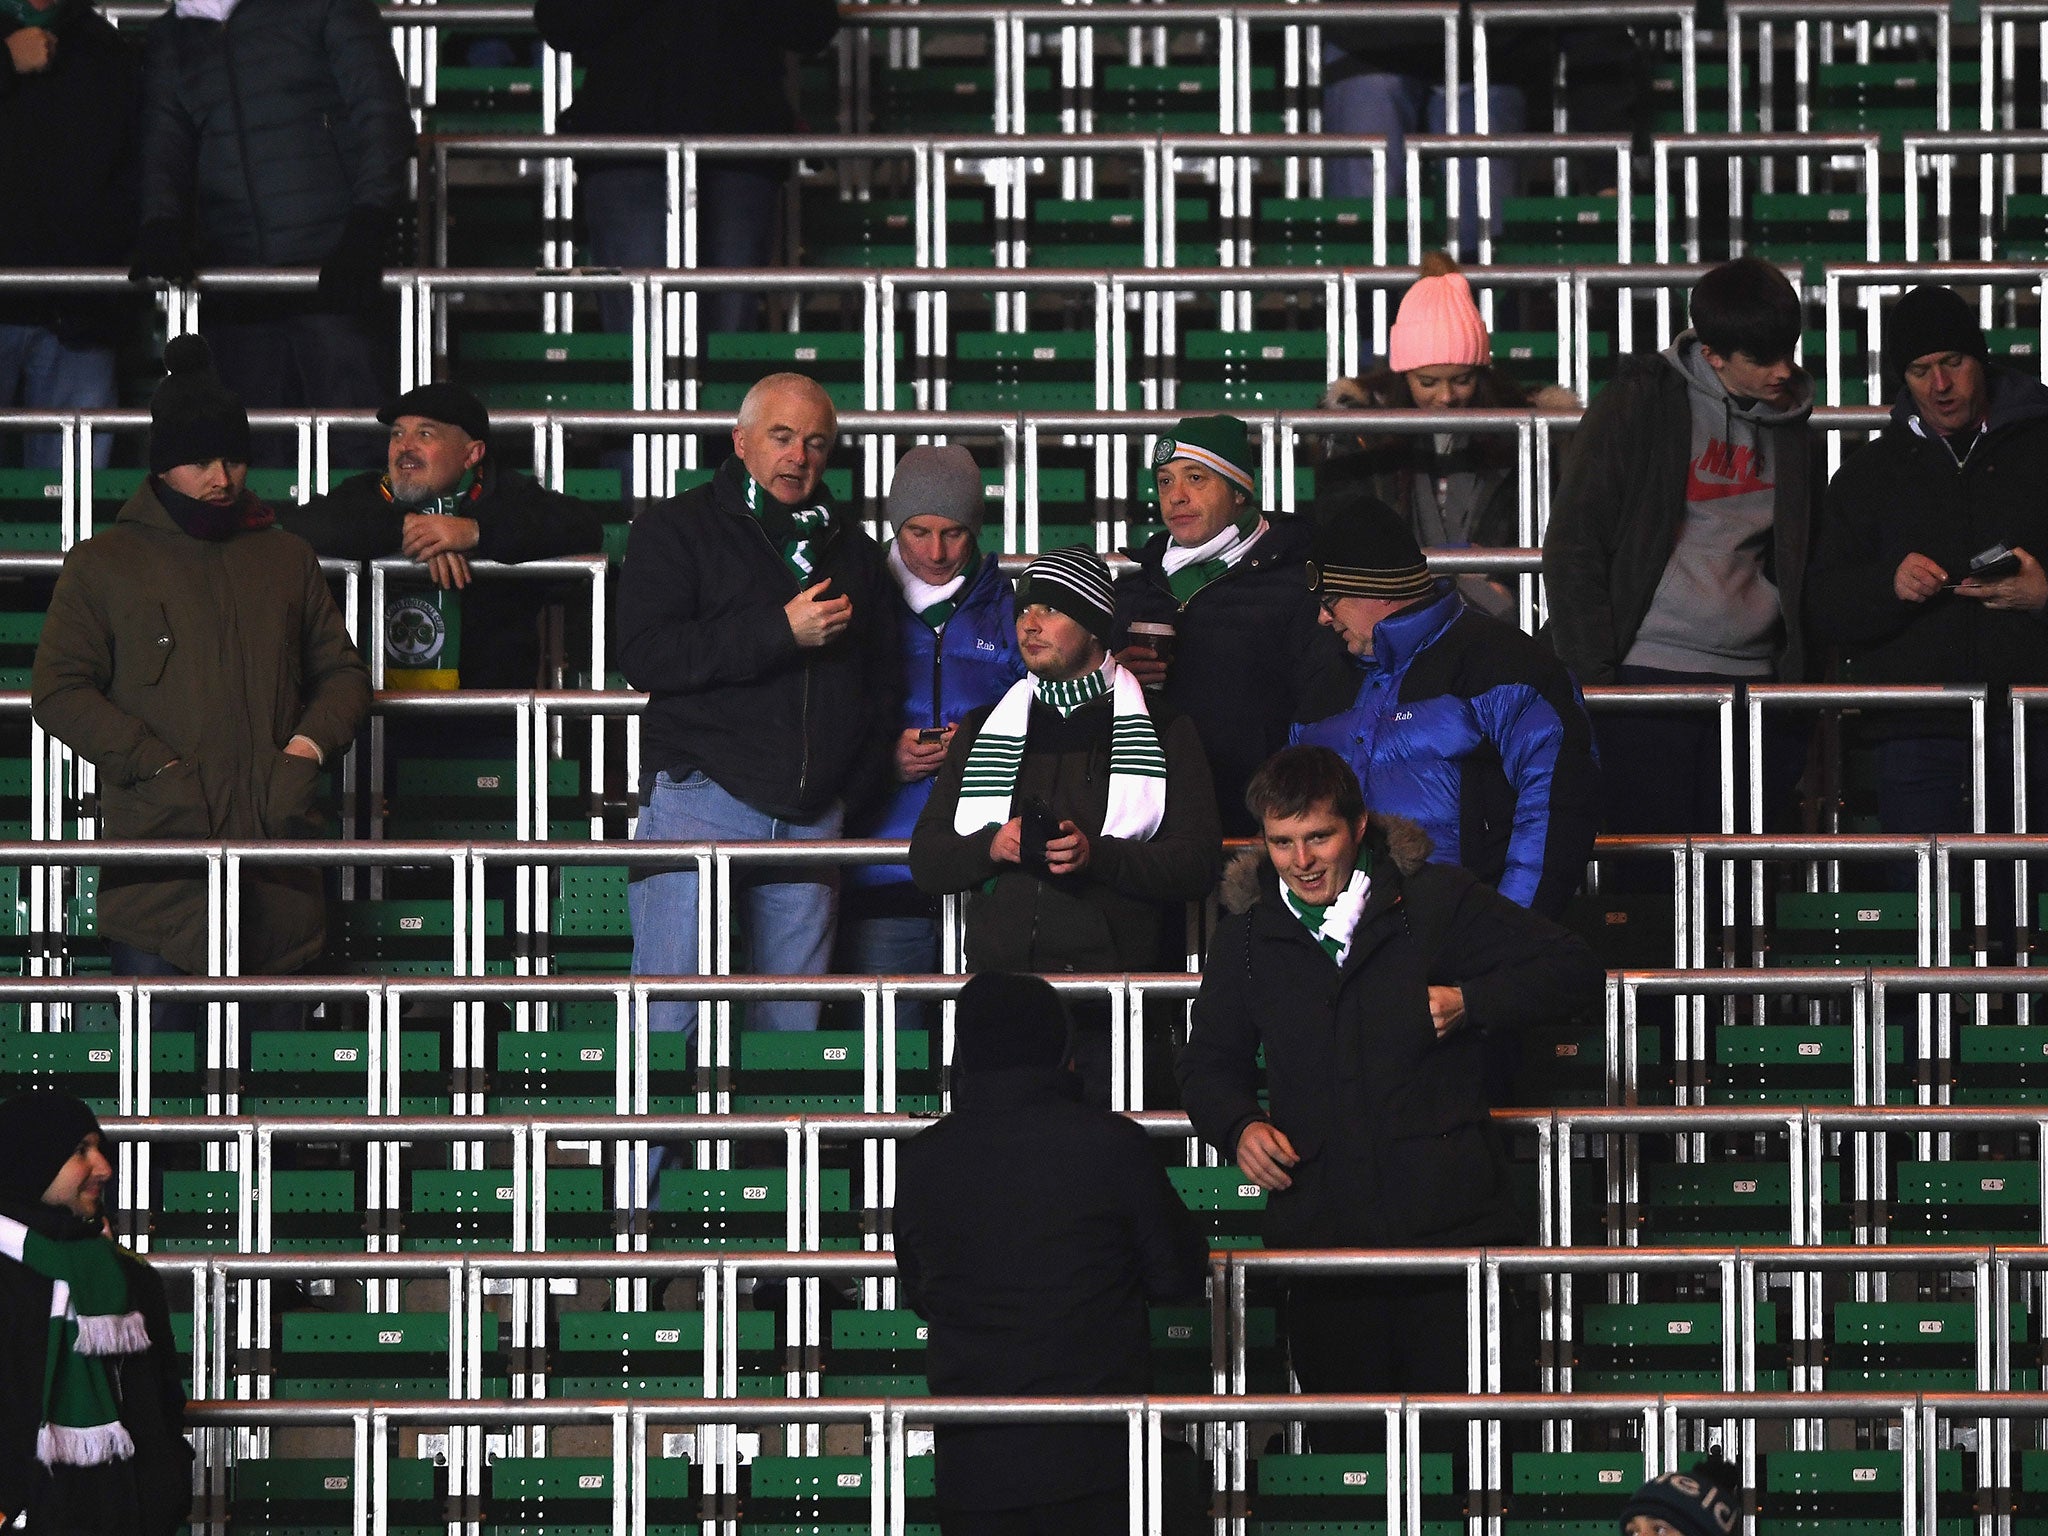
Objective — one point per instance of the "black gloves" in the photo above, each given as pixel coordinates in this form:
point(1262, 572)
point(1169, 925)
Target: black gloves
point(352, 276)
point(161, 253)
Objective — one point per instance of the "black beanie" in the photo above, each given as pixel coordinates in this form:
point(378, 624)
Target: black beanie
point(1929, 321)
point(192, 417)
point(39, 1130)
point(1010, 1020)
point(1704, 1502)
point(1362, 548)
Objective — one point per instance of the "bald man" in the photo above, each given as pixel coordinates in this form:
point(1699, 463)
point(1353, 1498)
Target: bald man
point(759, 618)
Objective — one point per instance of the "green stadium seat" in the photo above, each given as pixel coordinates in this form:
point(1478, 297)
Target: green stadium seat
point(1913, 1346)
point(1228, 1204)
point(1967, 1201)
point(875, 1354)
point(375, 1354)
point(1668, 1346)
point(655, 1354)
point(1297, 1495)
point(326, 1072)
point(1844, 1493)
point(311, 1496)
point(1569, 1493)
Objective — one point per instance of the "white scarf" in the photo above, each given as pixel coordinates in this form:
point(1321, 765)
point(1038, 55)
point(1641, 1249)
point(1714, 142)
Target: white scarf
point(1229, 546)
point(1137, 761)
point(920, 595)
point(1340, 918)
point(208, 10)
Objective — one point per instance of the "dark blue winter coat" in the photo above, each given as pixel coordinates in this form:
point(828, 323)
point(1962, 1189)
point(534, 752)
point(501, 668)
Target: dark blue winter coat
point(972, 662)
point(1474, 731)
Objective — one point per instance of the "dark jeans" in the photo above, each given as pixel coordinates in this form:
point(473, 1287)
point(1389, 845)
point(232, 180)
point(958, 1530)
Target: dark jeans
point(1100, 1514)
point(306, 362)
point(1662, 772)
point(625, 210)
point(190, 1017)
point(1923, 785)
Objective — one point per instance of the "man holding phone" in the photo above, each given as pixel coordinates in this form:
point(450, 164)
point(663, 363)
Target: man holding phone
point(1076, 812)
point(1926, 567)
point(757, 616)
point(956, 622)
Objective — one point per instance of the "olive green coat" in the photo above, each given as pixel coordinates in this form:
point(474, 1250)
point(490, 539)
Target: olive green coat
point(163, 649)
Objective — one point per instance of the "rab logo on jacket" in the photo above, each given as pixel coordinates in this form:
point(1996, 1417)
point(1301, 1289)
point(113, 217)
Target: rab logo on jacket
point(1724, 470)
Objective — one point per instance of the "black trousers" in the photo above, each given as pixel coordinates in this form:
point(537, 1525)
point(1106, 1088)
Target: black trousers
point(1099, 1514)
point(1377, 1337)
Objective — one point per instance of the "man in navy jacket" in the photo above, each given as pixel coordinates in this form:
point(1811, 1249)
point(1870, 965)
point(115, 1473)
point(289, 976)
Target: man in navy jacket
point(1458, 722)
point(957, 638)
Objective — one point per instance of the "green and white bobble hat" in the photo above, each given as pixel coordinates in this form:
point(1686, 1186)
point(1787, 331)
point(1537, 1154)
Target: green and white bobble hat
point(1223, 443)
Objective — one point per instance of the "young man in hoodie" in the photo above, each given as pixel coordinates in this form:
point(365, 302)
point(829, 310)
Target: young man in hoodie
point(92, 1406)
point(1677, 544)
point(957, 623)
point(1958, 470)
point(1366, 980)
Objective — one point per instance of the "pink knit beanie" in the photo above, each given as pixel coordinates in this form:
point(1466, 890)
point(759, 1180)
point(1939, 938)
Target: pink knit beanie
point(1438, 324)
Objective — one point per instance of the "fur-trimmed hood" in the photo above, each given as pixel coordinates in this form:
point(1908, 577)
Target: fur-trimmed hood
point(1393, 837)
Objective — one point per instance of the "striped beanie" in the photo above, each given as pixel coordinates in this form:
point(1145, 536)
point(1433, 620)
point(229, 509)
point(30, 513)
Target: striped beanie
point(1073, 581)
point(1365, 550)
point(1222, 443)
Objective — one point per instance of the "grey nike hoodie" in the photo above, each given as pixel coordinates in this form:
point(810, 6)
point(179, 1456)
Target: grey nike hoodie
point(1716, 608)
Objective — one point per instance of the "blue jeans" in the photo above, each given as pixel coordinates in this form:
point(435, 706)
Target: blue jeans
point(625, 209)
point(885, 944)
point(790, 914)
point(188, 1017)
point(1398, 105)
point(41, 372)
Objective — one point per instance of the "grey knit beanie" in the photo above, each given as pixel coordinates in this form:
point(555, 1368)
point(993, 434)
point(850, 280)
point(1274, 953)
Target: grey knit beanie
point(933, 481)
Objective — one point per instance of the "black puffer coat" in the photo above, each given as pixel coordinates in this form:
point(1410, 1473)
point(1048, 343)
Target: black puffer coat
point(1246, 650)
point(69, 180)
point(1390, 1122)
point(1905, 494)
point(150, 1493)
point(262, 133)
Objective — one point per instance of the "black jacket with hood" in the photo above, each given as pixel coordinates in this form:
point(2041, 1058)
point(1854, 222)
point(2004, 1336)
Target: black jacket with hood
point(1247, 650)
point(1618, 512)
point(1031, 1231)
point(150, 1493)
point(1390, 1121)
point(263, 133)
point(517, 519)
point(1908, 492)
point(784, 728)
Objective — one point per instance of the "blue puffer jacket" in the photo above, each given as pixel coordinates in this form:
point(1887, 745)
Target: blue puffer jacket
point(1474, 731)
point(972, 662)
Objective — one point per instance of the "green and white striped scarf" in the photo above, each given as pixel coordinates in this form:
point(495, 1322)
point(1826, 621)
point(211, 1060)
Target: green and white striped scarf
point(1137, 761)
point(89, 1318)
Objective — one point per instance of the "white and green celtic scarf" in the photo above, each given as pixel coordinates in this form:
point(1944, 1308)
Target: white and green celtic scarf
point(1137, 761)
point(89, 1319)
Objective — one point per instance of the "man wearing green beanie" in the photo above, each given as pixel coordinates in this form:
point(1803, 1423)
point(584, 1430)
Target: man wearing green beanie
point(92, 1410)
point(1215, 616)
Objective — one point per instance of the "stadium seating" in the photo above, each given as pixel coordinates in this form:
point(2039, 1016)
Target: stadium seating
point(1055, 229)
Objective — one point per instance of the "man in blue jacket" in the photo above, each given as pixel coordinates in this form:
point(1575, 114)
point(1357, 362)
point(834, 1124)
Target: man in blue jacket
point(1456, 721)
point(957, 629)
